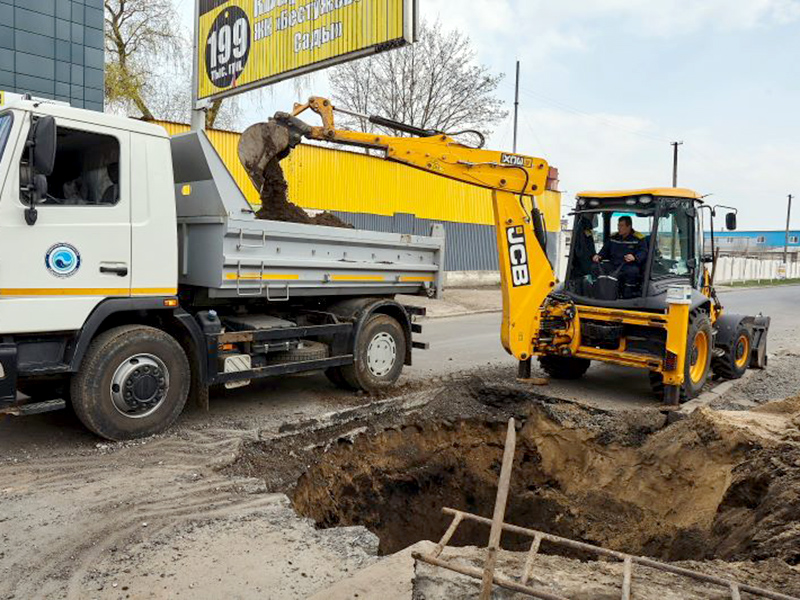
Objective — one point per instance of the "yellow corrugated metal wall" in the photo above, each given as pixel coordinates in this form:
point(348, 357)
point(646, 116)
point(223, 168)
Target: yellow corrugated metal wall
point(326, 179)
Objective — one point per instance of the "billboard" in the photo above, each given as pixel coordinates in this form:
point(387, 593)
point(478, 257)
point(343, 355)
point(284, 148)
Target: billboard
point(244, 44)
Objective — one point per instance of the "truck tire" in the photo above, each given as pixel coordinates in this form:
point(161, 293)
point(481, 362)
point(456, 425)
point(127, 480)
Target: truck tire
point(733, 364)
point(564, 367)
point(335, 376)
point(697, 365)
point(309, 351)
point(134, 382)
point(380, 352)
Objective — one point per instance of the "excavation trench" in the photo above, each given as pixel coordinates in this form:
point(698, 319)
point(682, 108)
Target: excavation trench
point(701, 488)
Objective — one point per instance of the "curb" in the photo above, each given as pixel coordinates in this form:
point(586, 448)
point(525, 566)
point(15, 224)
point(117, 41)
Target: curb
point(464, 314)
point(706, 398)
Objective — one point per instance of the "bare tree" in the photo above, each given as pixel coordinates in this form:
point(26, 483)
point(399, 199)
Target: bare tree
point(433, 84)
point(136, 32)
point(148, 64)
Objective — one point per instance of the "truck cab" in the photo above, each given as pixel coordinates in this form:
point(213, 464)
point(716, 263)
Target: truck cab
point(105, 222)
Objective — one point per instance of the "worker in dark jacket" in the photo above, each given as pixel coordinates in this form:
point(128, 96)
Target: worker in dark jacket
point(626, 249)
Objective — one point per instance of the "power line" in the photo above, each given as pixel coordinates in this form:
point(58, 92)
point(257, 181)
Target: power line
point(599, 118)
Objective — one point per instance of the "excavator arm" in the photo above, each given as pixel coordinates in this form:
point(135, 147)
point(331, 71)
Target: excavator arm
point(516, 182)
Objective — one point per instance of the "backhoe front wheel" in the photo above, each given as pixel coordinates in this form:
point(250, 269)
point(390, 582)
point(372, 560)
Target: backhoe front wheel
point(697, 364)
point(133, 383)
point(564, 367)
point(733, 364)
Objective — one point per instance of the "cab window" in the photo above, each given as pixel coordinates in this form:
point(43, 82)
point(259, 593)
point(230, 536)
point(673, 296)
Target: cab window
point(6, 121)
point(673, 244)
point(87, 171)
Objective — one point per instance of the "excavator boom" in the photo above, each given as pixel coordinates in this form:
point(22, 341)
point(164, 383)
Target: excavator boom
point(516, 181)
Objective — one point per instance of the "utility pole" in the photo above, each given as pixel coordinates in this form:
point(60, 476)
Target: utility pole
point(675, 163)
point(788, 224)
point(516, 111)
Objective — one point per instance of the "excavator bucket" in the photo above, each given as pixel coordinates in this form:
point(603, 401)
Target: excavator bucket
point(262, 147)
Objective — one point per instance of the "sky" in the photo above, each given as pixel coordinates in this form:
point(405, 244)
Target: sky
point(606, 85)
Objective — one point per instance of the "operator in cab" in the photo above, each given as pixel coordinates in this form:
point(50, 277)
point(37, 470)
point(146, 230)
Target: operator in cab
point(627, 251)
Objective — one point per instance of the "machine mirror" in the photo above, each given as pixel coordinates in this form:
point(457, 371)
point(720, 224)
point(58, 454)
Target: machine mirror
point(707, 259)
point(730, 221)
point(44, 146)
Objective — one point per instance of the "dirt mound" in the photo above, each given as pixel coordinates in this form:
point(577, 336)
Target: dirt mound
point(759, 517)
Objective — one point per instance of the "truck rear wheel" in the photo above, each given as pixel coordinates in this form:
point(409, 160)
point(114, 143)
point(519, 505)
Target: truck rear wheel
point(379, 356)
point(133, 383)
point(733, 364)
point(564, 367)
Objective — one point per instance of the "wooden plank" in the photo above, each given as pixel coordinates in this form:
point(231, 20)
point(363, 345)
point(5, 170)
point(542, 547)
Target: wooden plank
point(499, 511)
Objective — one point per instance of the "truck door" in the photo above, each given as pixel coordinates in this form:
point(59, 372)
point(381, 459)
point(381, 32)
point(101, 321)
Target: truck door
point(54, 273)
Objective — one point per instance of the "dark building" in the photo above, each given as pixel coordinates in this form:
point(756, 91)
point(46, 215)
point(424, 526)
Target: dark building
point(53, 49)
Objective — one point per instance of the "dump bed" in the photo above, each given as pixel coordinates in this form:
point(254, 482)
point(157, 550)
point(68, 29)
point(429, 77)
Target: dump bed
point(225, 249)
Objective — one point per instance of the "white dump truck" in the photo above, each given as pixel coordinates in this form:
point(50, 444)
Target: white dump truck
point(134, 275)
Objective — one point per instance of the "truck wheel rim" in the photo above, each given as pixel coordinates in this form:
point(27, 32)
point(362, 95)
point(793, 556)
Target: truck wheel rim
point(381, 355)
point(140, 386)
point(699, 356)
point(742, 351)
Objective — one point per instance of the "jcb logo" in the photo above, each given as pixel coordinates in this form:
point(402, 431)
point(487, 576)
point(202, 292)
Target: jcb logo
point(516, 160)
point(518, 256)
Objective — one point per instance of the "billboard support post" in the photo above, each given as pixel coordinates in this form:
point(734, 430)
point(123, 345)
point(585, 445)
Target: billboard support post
point(198, 120)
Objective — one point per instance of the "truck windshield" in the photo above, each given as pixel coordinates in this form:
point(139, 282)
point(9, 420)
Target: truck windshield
point(5, 130)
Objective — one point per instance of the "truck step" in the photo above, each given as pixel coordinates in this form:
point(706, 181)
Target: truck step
point(34, 408)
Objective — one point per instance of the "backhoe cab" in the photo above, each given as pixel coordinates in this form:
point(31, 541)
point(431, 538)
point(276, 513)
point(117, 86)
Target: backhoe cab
point(637, 293)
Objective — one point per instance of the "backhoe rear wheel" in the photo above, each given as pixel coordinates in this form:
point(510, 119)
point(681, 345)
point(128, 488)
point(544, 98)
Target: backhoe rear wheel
point(733, 364)
point(564, 367)
point(697, 365)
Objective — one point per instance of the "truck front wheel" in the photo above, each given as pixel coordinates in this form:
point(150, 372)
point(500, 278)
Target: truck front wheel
point(133, 383)
point(380, 353)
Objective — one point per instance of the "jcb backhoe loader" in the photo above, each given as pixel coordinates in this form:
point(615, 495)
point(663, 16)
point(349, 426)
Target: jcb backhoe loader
point(665, 317)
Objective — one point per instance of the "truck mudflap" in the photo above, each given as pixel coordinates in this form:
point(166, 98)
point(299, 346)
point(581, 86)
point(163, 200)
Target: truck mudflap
point(8, 373)
point(417, 311)
point(758, 353)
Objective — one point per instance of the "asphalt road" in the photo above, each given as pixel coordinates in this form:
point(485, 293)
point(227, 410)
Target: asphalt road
point(458, 345)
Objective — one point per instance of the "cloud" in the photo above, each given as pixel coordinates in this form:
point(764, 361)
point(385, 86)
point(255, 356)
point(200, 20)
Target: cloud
point(553, 26)
point(602, 151)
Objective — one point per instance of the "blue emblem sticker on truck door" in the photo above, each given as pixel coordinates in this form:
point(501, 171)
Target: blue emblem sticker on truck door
point(63, 260)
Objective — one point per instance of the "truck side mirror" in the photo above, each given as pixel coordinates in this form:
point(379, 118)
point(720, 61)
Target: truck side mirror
point(44, 146)
point(730, 221)
point(41, 146)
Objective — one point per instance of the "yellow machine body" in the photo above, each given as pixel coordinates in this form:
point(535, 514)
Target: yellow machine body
point(537, 320)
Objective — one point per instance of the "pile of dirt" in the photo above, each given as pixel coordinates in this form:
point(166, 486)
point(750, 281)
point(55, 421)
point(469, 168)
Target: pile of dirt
point(261, 149)
point(275, 204)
